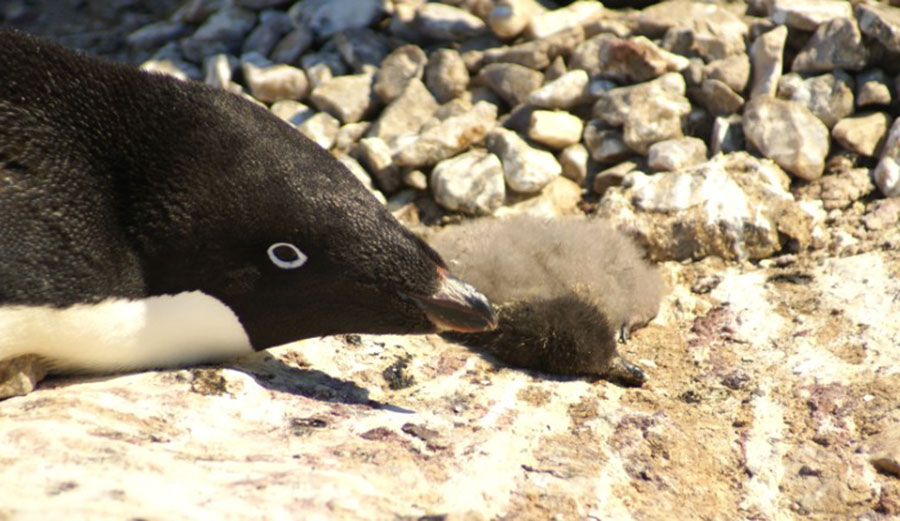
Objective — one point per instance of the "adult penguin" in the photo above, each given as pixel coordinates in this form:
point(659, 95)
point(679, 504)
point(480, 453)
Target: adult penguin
point(149, 222)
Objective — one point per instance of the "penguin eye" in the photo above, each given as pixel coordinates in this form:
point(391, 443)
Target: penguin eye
point(286, 256)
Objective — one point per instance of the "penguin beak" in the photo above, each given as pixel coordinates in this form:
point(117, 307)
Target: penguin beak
point(457, 306)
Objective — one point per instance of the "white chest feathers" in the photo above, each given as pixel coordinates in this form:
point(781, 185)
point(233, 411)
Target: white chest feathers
point(119, 334)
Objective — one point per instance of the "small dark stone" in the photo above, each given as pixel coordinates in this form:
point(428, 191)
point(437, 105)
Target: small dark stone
point(806, 470)
point(396, 375)
point(735, 380)
point(305, 426)
point(208, 382)
point(690, 396)
point(706, 284)
point(801, 279)
point(420, 431)
point(377, 434)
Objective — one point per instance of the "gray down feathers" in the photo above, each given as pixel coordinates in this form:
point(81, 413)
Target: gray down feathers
point(527, 258)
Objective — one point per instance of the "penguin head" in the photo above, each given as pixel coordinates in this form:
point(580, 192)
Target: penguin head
point(350, 267)
point(277, 229)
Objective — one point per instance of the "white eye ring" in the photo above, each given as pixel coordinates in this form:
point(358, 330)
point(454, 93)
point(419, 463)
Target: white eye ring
point(292, 264)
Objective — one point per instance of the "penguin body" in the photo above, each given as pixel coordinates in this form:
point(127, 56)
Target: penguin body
point(148, 222)
point(563, 288)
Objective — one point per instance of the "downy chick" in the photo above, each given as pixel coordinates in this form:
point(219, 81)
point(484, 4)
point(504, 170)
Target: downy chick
point(562, 287)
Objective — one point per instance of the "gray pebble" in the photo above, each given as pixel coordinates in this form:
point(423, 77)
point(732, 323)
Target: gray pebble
point(471, 182)
point(789, 134)
point(564, 92)
point(606, 145)
point(675, 154)
point(447, 23)
point(511, 81)
point(322, 128)
point(349, 98)
point(828, 96)
point(269, 82)
point(837, 44)
point(872, 88)
point(450, 137)
point(407, 113)
point(526, 169)
point(325, 18)
point(555, 129)
point(398, 68)
point(767, 56)
point(446, 75)
point(272, 26)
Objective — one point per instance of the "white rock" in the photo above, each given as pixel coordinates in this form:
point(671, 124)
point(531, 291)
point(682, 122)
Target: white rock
point(446, 74)
point(218, 71)
point(577, 13)
point(350, 134)
point(734, 71)
point(727, 134)
point(862, 133)
point(321, 128)
point(526, 169)
point(788, 133)
point(807, 15)
point(887, 177)
point(292, 111)
point(628, 60)
point(375, 154)
point(675, 154)
point(445, 22)
point(648, 112)
point(767, 58)
point(397, 69)
point(407, 113)
point(269, 83)
point(564, 92)
point(449, 137)
point(837, 44)
point(881, 22)
point(555, 129)
point(606, 145)
point(328, 17)
point(872, 88)
point(508, 18)
point(471, 182)
point(711, 31)
point(828, 96)
point(349, 98)
point(887, 172)
point(575, 161)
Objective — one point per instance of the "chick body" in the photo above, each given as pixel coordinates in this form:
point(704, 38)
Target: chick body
point(564, 288)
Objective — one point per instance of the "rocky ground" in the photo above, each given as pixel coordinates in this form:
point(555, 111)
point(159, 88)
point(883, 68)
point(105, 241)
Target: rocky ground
point(752, 148)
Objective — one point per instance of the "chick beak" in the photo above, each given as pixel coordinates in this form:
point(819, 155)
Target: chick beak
point(623, 372)
point(457, 306)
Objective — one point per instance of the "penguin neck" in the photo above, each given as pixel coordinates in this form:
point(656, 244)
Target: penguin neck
point(120, 335)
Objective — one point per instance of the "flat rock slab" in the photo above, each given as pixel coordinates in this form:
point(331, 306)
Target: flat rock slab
point(764, 383)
